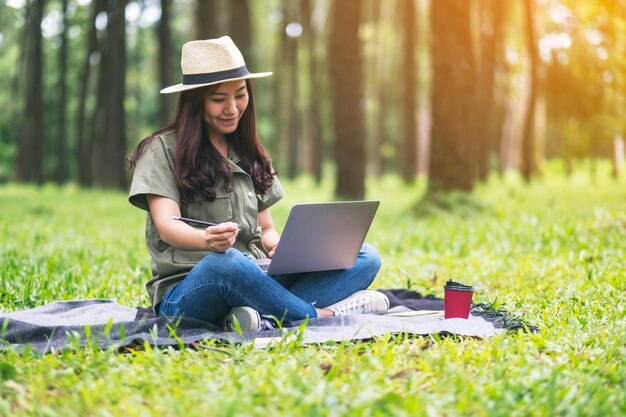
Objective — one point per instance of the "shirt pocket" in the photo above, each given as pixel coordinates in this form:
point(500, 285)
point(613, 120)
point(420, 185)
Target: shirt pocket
point(180, 256)
point(218, 211)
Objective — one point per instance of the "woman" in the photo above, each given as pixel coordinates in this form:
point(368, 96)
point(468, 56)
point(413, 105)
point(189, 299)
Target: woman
point(208, 164)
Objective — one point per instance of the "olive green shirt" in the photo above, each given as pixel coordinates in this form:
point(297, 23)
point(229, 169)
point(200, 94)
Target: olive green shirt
point(154, 174)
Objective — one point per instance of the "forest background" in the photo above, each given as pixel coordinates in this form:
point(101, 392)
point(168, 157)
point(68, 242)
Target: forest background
point(396, 96)
point(453, 90)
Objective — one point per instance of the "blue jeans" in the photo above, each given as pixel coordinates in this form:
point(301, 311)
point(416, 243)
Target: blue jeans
point(222, 281)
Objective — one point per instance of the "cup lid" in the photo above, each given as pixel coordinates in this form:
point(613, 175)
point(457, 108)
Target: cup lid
point(453, 285)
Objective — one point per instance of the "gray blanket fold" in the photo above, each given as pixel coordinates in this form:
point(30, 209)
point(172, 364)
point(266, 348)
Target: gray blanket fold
point(105, 323)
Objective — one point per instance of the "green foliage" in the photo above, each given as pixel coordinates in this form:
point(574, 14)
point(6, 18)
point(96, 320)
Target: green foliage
point(551, 252)
point(582, 82)
point(585, 81)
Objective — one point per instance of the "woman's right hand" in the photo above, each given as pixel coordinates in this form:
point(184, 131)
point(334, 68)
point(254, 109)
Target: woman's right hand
point(183, 236)
point(222, 236)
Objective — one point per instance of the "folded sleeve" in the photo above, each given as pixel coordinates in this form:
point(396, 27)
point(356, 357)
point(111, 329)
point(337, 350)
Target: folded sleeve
point(154, 174)
point(271, 196)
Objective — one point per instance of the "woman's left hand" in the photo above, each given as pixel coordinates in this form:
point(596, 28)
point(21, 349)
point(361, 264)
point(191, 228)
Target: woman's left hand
point(269, 235)
point(272, 251)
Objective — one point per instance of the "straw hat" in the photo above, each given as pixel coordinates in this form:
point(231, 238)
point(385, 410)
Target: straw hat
point(211, 61)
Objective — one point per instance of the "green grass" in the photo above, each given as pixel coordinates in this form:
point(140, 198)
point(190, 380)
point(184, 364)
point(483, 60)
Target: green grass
point(553, 251)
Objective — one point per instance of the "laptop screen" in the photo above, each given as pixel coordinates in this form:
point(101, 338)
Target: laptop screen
point(323, 236)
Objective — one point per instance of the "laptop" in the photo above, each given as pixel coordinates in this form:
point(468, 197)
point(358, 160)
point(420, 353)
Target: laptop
point(321, 237)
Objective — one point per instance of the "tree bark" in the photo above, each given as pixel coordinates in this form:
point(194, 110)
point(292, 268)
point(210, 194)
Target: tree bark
point(617, 160)
point(289, 95)
point(452, 164)
point(346, 74)
point(409, 93)
point(314, 110)
point(61, 146)
point(111, 125)
point(383, 68)
point(31, 137)
point(240, 29)
point(115, 131)
point(491, 45)
point(210, 19)
point(166, 70)
point(528, 142)
point(84, 140)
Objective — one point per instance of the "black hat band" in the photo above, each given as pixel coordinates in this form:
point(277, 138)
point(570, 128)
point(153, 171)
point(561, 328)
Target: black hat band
point(212, 77)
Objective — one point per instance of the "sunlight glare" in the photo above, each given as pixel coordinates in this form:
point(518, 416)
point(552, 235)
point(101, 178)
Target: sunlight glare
point(559, 13)
point(94, 58)
point(52, 24)
point(275, 16)
point(545, 49)
point(144, 17)
point(293, 30)
point(564, 40)
point(101, 21)
point(511, 56)
point(74, 32)
point(133, 12)
point(594, 37)
point(551, 42)
point(150, 15)
point(16, 4)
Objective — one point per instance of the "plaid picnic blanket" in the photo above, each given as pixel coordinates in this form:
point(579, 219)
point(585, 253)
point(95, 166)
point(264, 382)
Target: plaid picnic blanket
point(105, 323)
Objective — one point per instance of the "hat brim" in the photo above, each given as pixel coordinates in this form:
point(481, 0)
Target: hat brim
point(184, 87)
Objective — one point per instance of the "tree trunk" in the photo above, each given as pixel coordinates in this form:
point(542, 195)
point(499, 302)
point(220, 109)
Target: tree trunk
point(240, 30)
point(383, 63)
point(618, 157)
point(289, 100)
point(134, 59)
point(115, 128)
point(409, 93)
point(210, 19)
point(314, 111)
point(500, 19)
point(84, 140)
point(528, 142)
point(95, 145)
point(31, 137)
point(19, 90)
point(61, 146)
point(346, 73)
point(166, 71)
point(491, 46)
point(452, 164)
point(110, 117)
point(18, 84)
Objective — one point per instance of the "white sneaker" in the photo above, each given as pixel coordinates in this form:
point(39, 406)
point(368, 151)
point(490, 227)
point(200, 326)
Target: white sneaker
point(247, 319)
point(361, 302)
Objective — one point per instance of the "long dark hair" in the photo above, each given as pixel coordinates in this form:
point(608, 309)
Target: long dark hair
point(198, 166)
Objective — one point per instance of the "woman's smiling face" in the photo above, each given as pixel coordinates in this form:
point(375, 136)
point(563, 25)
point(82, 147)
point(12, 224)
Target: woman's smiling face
point(224, 107)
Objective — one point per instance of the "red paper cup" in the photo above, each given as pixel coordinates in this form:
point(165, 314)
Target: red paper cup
point(457, 302)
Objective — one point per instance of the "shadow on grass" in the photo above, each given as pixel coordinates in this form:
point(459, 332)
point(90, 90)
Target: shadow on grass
point(450, 202)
